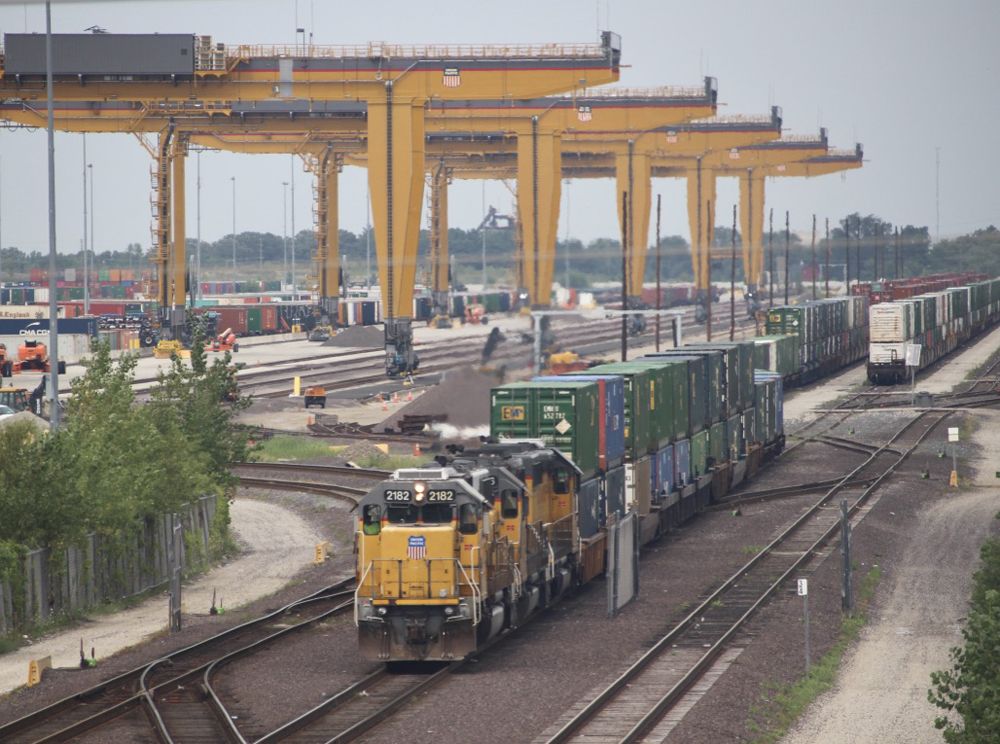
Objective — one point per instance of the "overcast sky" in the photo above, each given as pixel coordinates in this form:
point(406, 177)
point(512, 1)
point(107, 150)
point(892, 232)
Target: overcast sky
point(910, 79)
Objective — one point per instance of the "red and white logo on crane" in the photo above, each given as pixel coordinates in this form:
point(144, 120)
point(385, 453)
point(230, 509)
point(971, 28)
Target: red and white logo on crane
point(452, 77)
point(583, 113)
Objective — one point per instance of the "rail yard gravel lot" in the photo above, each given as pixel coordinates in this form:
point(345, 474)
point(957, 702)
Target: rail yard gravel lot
point(573, 649)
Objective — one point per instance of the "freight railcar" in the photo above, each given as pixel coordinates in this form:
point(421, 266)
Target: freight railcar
point(806, 342)
point(453, 553)
point(937, 322)
point(888, 290)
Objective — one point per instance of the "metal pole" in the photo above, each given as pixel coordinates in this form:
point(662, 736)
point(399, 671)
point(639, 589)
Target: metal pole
point(53, 379)
point(624, 275)
point(787, 236)
point(847, 255)
point(857, 249)
point(708, 247)
point(197, 250)
point(658, 257)
point(567, 236)
point(86, 279)
point(284, 233)
point(814, 257)
point(732, 283)
point(846, 593)
point(368, 240)
point(295, 289)
point(233, 179)
point(827, 277)
point(93, 245)
point(770, 260)
point(805, 612)
point(484, 239)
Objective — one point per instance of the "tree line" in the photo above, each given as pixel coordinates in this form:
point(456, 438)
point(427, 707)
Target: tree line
point(905, 248)
point(116, 464)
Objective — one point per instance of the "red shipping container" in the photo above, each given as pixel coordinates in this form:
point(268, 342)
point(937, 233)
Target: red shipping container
point(233, 317)
point(268, 319)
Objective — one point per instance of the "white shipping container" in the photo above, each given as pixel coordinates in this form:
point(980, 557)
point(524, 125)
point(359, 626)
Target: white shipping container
point(881, 353)
point(70, 275)
point(891, 322)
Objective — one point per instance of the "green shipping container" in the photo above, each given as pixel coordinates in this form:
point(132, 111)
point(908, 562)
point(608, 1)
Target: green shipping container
point(749, 431)
point(734, 437)
point(742, 375)
point(639, 439)
point(699, 412)
point(699, 453)
point(715, 367)
point(718, 443)
point(564, 416)
point(253, 320)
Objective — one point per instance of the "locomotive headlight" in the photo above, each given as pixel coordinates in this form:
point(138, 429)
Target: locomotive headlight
point(419, 489)
point(449, 611)
point(381, 611)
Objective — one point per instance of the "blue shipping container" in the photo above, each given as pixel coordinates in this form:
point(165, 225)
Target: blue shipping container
point(682, 463)
point(612, 429)
point(665, 476)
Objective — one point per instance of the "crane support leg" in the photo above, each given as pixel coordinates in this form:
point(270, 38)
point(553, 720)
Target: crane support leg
point(178, 248)
point(633, 173)
point(396, 178)
point(160, 178)
point(701, 205)
point(439, 245)
point(327, 227)
point(539, 174)
point(752, 228)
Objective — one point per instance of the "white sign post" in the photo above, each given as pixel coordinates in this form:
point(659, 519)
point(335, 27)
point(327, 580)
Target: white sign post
point(953, 441)
point(803, 586)
point(913, 361)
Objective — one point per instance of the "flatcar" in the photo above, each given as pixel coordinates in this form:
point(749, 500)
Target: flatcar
point(937, 322)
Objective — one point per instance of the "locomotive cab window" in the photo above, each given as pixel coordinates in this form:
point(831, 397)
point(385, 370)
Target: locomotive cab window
point(467, 518)
point(372, 521)
point(402, 514)
point(508, 502)
point(436, 513)
point(562, 481)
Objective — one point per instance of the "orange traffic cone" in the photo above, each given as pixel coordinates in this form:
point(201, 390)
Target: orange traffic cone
point(395, 398)
point(309, 421)
point(416, 450)
point(380, 397)
point(385, 406)
point(409, 396)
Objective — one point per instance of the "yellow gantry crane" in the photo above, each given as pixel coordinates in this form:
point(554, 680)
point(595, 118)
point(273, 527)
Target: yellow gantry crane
point(395, 81)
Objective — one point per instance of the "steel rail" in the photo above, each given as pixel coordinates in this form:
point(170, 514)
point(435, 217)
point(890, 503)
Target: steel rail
point(34, 720)
point(573, 726)
point(293, 467)
point(346, 493)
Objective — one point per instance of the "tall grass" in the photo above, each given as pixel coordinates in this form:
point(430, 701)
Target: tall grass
point(286, 447)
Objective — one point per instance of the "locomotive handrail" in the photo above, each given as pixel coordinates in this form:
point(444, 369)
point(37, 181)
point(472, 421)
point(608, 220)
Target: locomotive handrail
point(476, 594)
point(361, 581)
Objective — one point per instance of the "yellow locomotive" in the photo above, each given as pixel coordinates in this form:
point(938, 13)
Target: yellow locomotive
point(451, 554)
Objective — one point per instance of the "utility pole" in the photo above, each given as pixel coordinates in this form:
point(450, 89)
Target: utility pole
point(857, 249)
point(787, 237)
point(826, 276)
point(770, 260)
point(86, 278)
point(814, 257)
point(233, 179)
point(732, 282)
point(708, 298)
point(284, 232)
point(847, 253)
point(197, 250)
point(295, 290)
point(937, 194)
point(624, 275)
point(899, 257)
point(658, 255)
point(53, 379)
point(93, 245)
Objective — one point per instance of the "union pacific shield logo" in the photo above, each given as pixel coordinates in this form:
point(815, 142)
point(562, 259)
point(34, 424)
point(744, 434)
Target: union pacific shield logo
point(583, 113)
point(416, 547)
point(452, 77)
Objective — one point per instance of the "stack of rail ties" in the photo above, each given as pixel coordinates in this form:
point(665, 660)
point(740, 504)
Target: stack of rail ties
point(663, 435)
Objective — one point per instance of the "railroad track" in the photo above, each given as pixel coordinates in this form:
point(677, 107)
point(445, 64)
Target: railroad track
point(298, 467)
point(169, 690)
point(349, 494)
point(629, 709)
